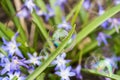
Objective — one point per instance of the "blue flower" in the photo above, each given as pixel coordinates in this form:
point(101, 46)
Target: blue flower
point(60, 61)
point(87, 4)
point(65, 73)
point(77, 70)
point(50, 13)
point(34, 59)
point(65, 25)
point(116, 2)
point(6, 66)
point(29, 4)
point(12, 46)
point(23, 13)
point(115, 23)
point(26, 9)
point(17, 63)
point(61, 3)
point(17, 74)
point(101, 10)
point(102, 38)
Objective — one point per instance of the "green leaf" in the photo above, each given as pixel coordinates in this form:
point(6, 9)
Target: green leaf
point(46, 63)
point(96, 22)
point(112, 76)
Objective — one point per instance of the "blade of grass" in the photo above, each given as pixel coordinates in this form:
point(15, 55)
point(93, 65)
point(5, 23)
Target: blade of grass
point(96, 22)
point(58, 12)
point(44, 65)
point(12, 13)
point(77, 12)
point(41, 27)
point(113, 76)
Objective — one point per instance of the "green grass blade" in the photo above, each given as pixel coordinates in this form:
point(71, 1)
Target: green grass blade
point(112, 76)
point(44, 65)
point(42, 29)
point(12, 13)
point(96, 22)
point(41, 4)
point(58, 12)
point(77, 12)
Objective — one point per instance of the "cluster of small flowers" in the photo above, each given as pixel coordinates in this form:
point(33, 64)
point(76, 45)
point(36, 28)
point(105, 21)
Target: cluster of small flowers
point(61, 69)
point(108, 62)
point(29, 6)
point(109, 24)
point(65, 71)
point(12, 61)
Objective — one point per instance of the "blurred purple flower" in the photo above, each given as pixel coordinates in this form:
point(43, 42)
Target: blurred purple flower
point(100, 10)
point(26, 9)
point(60, 3)
point(12, 46)
point(23, 13)
point(116, 2)
point(65, 25)
point(87, 4)
point(50, 13)
point(6, 66)
point(2, 58)
point(102, 38)
point(115, 22)
point(31, 69)
point(29, 4)
point(34, 59)
point(16, 74)
point(105, 25)
point(17, 63)
point(60, 61)
point(65, 73)
point(77, 70)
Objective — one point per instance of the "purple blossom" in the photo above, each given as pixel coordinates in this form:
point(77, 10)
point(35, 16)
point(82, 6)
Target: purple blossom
point(101, 10)
point(102, 38)
point(34, 59)
point(60, 61)
point(116, 2)
point(23, 13)
point(87, 4)
point(16, 74)
point(77, 70)
point(29, 4)
point(17, 63)
point(31, 69)
point(26, 9)
point(12, 46)
point(6, 66)
point(65, 73)
point(115, 22)
point(50, 13)
point(105, 25)
point(39, 12)
point(61, 3)
point(2, 58)
point(65, 25)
